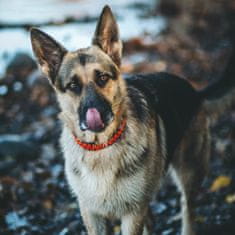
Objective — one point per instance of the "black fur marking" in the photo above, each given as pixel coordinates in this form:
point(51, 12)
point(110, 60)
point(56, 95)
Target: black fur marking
point(138, 106)
point(75, 85)
point(85, 58)
point(114, 72)
point(172, 98)
point(59, 84)
point(158, 133)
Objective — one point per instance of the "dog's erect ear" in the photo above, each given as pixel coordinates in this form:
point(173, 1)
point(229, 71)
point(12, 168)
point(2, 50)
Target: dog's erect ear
point(48, 52)
point(107, 35)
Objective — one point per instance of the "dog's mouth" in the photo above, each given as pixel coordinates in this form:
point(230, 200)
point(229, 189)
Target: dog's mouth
point(95, 112)
point(94, 121)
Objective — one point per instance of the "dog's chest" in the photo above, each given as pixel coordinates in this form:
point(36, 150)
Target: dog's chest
point(99, 184)
point(104, 191)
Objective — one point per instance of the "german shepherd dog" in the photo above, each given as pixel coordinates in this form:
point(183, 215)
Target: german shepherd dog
point(121, 136)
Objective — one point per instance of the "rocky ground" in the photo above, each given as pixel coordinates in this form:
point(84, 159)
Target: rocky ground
point(34, 196)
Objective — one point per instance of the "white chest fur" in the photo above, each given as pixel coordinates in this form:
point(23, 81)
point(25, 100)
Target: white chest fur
point(102, 190)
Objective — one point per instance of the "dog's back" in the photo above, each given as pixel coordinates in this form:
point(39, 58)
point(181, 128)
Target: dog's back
point(170, 97)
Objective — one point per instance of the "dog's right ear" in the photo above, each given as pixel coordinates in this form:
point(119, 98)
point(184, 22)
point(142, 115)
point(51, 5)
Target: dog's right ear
point(49, 53)
point(107, 35)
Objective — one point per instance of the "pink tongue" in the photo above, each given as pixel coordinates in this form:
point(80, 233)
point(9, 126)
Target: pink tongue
point(93, 119)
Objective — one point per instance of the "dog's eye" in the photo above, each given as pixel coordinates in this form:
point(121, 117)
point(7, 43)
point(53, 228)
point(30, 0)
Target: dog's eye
point(101, 78)
point(104, 77)
point(74, 86)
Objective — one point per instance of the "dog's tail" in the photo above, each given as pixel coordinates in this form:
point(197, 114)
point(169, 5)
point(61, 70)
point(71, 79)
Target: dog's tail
point(220, 95)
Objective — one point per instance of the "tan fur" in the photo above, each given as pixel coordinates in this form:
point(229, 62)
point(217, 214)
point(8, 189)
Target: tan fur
point(190, 166)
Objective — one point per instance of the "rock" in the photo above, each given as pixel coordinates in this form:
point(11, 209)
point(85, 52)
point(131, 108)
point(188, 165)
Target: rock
point(14, 221)
point(159, 208)
point(36, 77)
point(6, 166)
point(169, 8)
point(17, 147)
point(40, 90)
point(21, 66)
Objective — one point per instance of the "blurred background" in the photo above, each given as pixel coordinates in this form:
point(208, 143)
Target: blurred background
point(190, 38)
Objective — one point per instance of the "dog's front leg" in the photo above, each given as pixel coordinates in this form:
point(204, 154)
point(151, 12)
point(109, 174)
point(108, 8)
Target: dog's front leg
point(134, 224)
point(95, 224)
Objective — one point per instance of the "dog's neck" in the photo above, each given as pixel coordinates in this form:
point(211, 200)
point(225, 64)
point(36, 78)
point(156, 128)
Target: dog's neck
point(111, 141)
point(107, 134)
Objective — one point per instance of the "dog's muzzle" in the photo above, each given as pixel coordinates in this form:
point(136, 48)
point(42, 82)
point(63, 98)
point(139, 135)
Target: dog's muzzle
point(95, 111)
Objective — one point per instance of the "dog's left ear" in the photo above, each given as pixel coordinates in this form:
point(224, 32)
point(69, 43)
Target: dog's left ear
point(107, 36)
point(48, 52)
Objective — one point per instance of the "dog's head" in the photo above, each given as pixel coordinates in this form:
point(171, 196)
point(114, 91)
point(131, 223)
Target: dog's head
point(87, 82)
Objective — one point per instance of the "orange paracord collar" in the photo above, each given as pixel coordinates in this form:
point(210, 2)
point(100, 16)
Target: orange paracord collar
point(96, 147)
